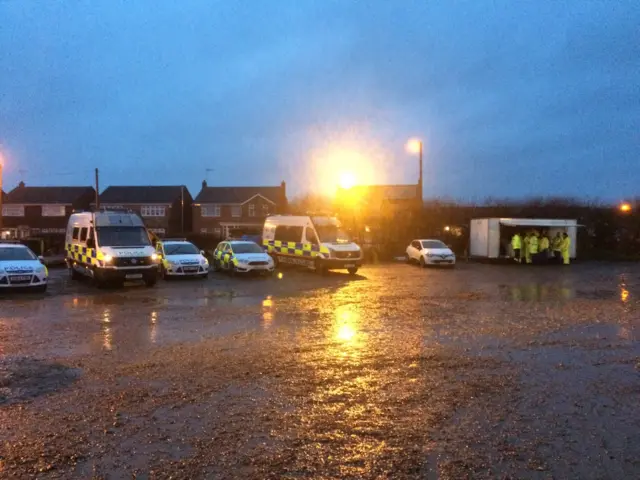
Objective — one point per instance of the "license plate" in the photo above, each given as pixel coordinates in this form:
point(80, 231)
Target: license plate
point(20, 278)
point(133, 276)
point(349, 265)
point(190, 269)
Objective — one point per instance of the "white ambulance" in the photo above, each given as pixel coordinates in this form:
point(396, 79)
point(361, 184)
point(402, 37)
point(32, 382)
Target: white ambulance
point(111, 247)
point(316, 242)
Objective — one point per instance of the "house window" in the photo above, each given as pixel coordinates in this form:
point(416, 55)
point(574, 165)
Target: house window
point(265, 209)
point(53, 211)
point(236, 211)
point(210, 210)
point(153, 210)
point(13, 210)
point(252, 210)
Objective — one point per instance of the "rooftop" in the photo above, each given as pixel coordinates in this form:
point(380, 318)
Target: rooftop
point(139, 194)
point(46, 195)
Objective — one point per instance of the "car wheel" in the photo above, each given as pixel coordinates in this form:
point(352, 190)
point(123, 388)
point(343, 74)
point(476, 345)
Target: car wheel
point(352, 270)
point(150, 281)
point(423, 264)
point(39, 289)
point(215, 266)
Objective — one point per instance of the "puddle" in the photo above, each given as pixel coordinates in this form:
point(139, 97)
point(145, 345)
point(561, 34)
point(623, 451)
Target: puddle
point(26, 378)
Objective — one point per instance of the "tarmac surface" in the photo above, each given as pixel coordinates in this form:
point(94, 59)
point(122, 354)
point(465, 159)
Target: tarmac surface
point(399, 372)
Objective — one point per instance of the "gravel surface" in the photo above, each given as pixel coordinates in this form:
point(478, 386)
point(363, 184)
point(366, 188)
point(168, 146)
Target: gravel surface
point(478, 372)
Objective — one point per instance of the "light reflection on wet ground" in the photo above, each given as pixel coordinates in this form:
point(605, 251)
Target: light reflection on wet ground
point(403, 373)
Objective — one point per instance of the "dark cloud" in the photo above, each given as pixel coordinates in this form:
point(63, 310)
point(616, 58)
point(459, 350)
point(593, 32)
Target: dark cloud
point(533, 98)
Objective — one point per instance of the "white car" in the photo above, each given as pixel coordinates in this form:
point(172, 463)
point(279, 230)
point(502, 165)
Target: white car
point(242, 257)
point(430, 252)
point(21, 268)
point(179, 258)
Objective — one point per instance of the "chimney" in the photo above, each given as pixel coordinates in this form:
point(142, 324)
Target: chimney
point(21, 185)
point(283, 186)
point(204, 184)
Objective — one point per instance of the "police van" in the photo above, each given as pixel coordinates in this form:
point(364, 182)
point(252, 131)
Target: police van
point(111, 247)
point(316, 242)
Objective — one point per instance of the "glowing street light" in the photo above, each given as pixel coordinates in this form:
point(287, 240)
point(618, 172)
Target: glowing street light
point(415, 146)
point(625, 207)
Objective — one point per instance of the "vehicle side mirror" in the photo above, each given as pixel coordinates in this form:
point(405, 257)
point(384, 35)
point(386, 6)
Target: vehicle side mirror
point(91, 243)
point(41, 259)
point(202, 253)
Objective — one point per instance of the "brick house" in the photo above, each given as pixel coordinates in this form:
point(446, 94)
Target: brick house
point(232, 211)
point(42, 212)
point(166, 210)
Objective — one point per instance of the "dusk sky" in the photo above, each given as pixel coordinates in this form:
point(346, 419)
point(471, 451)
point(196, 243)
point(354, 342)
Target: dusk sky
point(512, 99)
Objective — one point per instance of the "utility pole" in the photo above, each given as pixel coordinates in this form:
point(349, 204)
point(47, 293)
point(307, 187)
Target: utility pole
point(182, 210)
point(97, 191)
point(420, 179)
point(1, 165)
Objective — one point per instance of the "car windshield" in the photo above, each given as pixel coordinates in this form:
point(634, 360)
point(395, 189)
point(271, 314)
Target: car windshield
point(122, 237)
point(247, 248)
point(16, 253)
point(433, 244)
point(181, 249)
point(332, 234)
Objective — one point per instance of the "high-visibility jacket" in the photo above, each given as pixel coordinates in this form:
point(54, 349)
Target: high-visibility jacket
point(557, 244)
point(566, 244)
point(516, 242)
point(533, 244)
point(544, 244)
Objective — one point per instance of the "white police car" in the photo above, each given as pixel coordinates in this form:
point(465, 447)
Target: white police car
point(242, 257)
point(179, 258)
point(21, 268)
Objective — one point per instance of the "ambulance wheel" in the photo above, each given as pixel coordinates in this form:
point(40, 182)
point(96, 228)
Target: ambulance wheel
point(320, 268)
point(352, 270)
point(74, 274)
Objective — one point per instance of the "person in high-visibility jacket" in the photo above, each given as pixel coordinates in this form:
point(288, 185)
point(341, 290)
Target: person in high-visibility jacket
point(544, 247)
point(525, 247)
point(533, 246)
point(556, 245)
point(566, 245)
point(516, 245)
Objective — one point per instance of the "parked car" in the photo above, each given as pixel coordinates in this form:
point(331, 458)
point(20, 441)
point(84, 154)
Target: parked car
point(430, 252)
point(236, 256)
point(21, 268)
point(180, 258)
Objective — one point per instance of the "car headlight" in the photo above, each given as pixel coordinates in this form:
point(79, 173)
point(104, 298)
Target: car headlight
point(204, 261)
point(154, 257)
point(107, 259)
point(429, 254)
point(41, 269)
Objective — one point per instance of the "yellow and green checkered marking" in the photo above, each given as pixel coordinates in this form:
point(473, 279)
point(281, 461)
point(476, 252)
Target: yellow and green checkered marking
point(84, 255)
point(295, 249)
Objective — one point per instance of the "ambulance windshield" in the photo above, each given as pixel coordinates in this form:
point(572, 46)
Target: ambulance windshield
point(122, 237)
point(332, 234)
point(329, 230)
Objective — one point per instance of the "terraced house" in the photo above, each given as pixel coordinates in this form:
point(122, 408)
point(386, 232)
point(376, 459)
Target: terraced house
point(42, 212)
point(225, 212)
point(166, 210)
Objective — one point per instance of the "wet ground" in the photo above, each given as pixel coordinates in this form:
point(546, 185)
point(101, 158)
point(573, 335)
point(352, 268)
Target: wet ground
point(479, 372)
